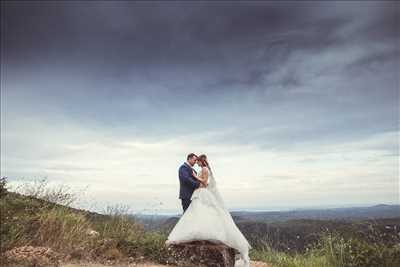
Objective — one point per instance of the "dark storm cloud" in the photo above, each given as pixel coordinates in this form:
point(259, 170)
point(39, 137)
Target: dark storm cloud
point(174, 32)
point(146, 63)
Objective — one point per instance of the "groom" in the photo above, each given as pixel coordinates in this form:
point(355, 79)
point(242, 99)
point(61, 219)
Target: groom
point(187, 182)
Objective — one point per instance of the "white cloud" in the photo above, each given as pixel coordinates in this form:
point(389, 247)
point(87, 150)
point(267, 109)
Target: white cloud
point(143, 174)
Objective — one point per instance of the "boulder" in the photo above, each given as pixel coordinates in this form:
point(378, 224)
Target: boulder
point(32, 256)
point(201, 253)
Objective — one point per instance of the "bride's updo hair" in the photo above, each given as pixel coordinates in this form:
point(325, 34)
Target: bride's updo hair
point(203, 159)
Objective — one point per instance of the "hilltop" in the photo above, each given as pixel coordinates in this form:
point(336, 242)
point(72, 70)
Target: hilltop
point(39, 232)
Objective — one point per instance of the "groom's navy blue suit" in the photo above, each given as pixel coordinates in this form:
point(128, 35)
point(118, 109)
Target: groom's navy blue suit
point(187, 185)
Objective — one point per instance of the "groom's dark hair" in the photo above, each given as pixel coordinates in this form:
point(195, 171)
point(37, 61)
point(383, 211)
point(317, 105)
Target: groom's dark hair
point(191, 155)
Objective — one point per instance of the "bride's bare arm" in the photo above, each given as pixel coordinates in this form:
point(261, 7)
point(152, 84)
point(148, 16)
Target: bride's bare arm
point(200, 178)
point(204, 176)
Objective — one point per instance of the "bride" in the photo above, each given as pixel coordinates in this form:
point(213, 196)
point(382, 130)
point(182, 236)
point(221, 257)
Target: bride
point(207, 218)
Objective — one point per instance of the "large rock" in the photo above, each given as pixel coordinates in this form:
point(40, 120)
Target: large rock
point(202, 253)
point(31, 256)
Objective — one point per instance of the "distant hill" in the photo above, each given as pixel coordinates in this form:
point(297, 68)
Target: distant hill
point(349, 214)
point(382, 211)
point(295, 230)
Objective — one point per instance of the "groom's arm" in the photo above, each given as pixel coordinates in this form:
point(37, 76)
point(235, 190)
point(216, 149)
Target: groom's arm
point(187, 178)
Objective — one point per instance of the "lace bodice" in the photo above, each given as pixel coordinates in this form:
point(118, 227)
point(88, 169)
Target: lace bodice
point(211, 181)
point(212, 187)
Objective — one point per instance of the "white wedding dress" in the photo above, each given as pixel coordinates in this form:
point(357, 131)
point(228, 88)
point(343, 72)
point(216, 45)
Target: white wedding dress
point(207, 218)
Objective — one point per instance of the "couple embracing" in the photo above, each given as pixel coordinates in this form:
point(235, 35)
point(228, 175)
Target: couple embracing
point(205, 216)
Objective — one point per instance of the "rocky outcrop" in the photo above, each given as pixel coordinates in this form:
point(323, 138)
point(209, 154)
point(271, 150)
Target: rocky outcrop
point(32, 257)
point(201, 253)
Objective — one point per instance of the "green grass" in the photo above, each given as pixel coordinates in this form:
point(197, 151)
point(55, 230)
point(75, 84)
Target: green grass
point(282, 259)
point(334, 251)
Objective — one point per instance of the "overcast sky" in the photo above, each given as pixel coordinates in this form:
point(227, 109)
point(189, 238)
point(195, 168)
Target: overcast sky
point(295, 104)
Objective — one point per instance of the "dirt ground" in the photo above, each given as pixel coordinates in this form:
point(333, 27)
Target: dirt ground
point(148, 264)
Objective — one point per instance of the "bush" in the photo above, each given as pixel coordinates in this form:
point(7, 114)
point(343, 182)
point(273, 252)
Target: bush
point(62, 229)
point(3, 186)
point(18, 215)
point(39, 188)
point(129, 237)
point(118, 225)
point(150, 245)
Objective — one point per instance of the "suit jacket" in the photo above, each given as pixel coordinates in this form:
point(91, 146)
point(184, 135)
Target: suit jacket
point(187, 182)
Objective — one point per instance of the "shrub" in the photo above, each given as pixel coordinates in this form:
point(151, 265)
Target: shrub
point(16, 220)
point(3, 186)
point(40, 188)
point(150, 245)
point(62, 229)
point(119, 225)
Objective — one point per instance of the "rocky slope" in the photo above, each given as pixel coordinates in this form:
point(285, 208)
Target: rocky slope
point(202, 255)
